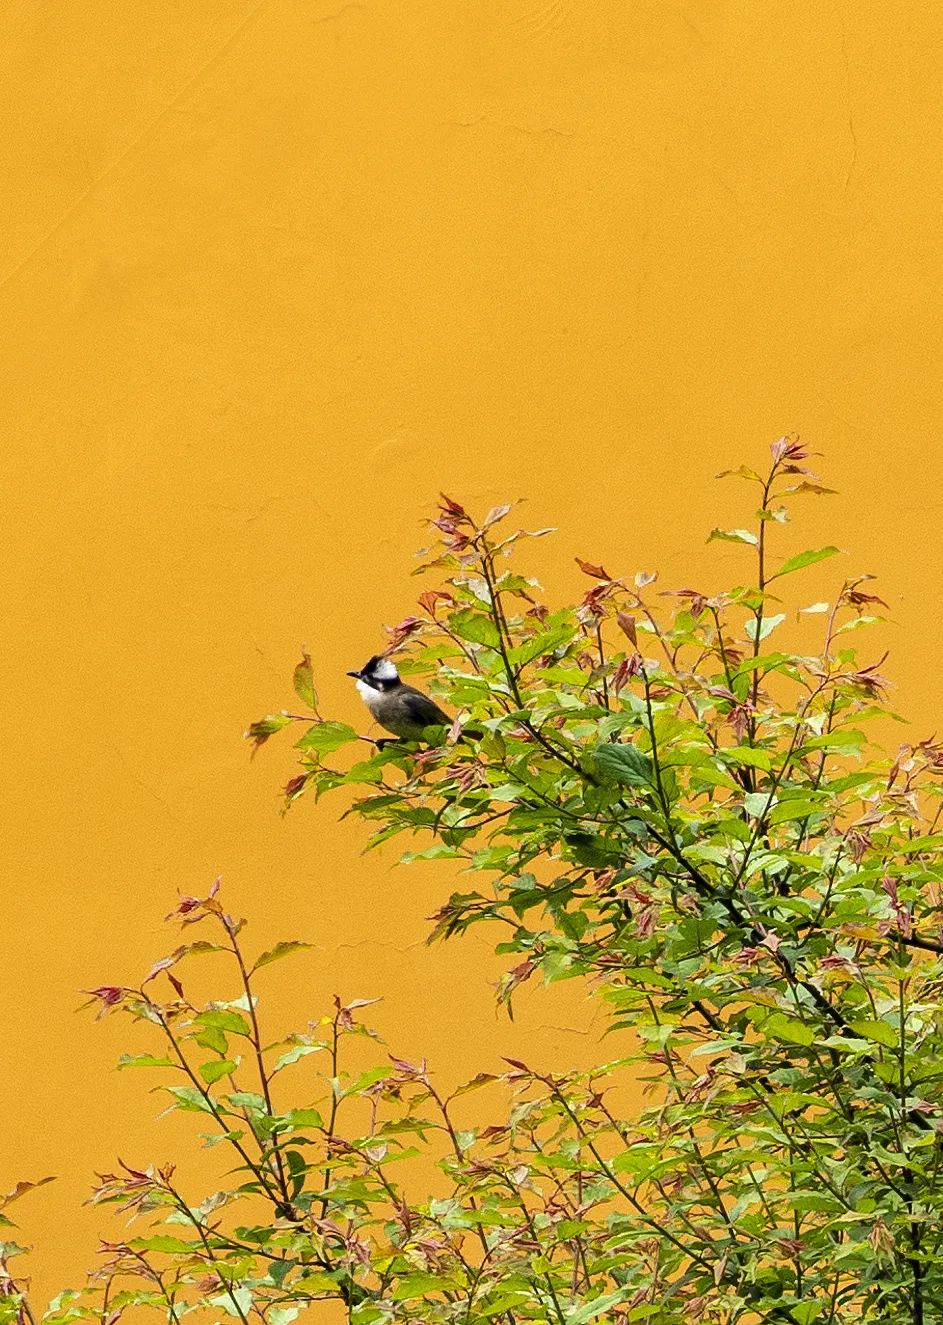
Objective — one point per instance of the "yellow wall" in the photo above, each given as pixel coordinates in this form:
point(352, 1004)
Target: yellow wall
point(274, 273)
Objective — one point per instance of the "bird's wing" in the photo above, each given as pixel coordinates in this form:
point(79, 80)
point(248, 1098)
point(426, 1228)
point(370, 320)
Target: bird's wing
point(423, 711)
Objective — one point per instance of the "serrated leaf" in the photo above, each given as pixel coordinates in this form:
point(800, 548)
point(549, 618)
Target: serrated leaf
point(163, 1242)
point(283, 949)
point(590, 1310)
point(878, 1031)
point(259, 732)
point(417, 1285)
point(144, 1060)
point(326, 737)
point(798, 808)
point(804, 1313)
point(294, 1054)
point(749, 755)
point(623, 763)
point(477, 1081)
point(20, 1189)
point(758, 631)
point(216, 1069)
point(211, 1037)
point(790, 1029)
point(475, 627)
point(189, 1099)
point(732, 536)
point(843, 738)
point(225, 1020)
point(315, 1283)
point(305, 1118)
point(803, 559)
point(742, 471)
point(366, 1080)
point(591, 569)
point(756, 803)
point(246, 1099)
point(304, 681)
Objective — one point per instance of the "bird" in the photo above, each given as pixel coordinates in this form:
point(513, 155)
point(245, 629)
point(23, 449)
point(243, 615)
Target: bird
point(400, 708)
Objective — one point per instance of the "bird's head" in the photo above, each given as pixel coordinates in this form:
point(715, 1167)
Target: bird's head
point(378, 673)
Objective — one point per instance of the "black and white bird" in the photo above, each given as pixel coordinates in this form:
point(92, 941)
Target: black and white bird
point(400, 708)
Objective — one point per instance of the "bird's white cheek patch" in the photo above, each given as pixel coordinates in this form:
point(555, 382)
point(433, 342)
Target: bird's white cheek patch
point(385, 670)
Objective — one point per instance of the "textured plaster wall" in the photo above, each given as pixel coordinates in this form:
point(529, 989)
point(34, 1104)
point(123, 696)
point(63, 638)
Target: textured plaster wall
point(274, 273)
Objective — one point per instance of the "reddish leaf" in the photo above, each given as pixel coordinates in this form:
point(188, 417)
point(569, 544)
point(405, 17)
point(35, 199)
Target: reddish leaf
point(408, 626)
point(589, 568)
point(627, 625)
point(164, 964)
point(452, 508)
point(428, 600)
point(21, 1188)
point(495, 514)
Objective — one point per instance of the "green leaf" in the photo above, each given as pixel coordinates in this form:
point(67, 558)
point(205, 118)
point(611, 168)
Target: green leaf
point(623, 763)
point(295, 1053)
point(732, 536)
point(211, 1037)
point(305, 1118)
point(304, 681)
point(282, 1315)
point(246, 1099)
point(144, 1060)
point(757, 803)
point(589, 1310)
point(259, 732)
point(417, 1285)
point(477, 1081)
point(224, 1020)
point(805, 1313)
point(283, 949)
point(845, 738)
point(792, 809)
point(915, 845)
point(315, 1283)
point(766, 627)
point(234, 1301)
point(326, 737)
point(640, 1161)
point(879, 1031)
point(217, 1068)
point(749, 755)
point(791, 1029)
point(742, 471)
point(543, 643)
point(475, 627)
point(803, 559)
point(165, 1243)
point(366, 1080)
point(189, 1099)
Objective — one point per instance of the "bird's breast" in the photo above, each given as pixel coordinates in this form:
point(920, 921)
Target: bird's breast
point(371, 697)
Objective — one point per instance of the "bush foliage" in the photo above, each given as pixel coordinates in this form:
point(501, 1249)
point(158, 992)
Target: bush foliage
point(653, 793)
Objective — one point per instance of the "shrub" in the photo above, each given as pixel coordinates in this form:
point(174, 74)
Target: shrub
point(663, 799)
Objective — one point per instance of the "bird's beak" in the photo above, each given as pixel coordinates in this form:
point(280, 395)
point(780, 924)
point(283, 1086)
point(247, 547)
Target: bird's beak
point(355, 675)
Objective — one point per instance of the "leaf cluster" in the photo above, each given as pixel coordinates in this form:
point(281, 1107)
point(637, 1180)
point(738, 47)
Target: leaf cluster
point(663, 796)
